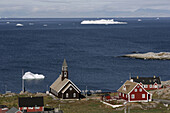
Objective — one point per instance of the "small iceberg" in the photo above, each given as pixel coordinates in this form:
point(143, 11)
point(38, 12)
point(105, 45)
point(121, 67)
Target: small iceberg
point(139, 20)
point(45, 25)
point(19, 25)
point(31, 24)
point(102, 21)
point(29, 75)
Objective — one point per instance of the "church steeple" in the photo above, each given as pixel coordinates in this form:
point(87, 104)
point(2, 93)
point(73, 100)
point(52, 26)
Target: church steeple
point(64, 72)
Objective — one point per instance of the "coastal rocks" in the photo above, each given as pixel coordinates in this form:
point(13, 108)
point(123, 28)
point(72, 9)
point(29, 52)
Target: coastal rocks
point(166, 83)
point(161, 93)
point(150, 55)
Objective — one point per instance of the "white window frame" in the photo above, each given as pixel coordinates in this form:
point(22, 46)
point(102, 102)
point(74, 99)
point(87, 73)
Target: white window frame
point(74, 95)
point(150, 85)
point(132, 96)
point(37, 107)
point(145, 86)
point(24, 108)
point(65, 74)
point(71, 88)
point(30, 108)
point(136, 89)
point(67, 95)
point(140, 90)
point(143, 95)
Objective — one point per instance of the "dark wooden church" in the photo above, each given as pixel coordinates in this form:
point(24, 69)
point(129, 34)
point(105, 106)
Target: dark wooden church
point(63, 87)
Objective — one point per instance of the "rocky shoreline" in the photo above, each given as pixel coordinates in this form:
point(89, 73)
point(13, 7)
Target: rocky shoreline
point(150, 55)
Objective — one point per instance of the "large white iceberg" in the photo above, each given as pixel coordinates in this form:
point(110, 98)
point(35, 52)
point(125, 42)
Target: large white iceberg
point(102, 21)
point(150, 55)
point(29, 75)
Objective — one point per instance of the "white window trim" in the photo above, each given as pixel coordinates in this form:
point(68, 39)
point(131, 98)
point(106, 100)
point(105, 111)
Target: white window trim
point(145, 86)
point(30, 108)
point(140, 90)
point(37, 107)
point(143, 95)
point(74, 95)
point(132, 96)
point(67, 95)
point(150, 85)
point(65, 74)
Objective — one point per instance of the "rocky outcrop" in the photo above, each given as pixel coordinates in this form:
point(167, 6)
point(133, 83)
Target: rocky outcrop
point(150, 55)
point(163, 93)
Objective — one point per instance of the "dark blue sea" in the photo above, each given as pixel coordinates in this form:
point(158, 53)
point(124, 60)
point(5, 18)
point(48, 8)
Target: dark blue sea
point(92, 52)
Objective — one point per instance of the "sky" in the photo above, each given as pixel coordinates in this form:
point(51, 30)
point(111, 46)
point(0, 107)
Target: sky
point(84, 8)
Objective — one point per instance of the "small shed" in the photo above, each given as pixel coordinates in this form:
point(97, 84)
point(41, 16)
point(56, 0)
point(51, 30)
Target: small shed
point(31, 104)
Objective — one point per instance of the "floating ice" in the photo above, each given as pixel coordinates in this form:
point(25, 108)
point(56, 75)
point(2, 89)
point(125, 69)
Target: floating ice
point(19, 25)
point(139, 20)
point(151, 55)
point(29, 75)
point(31, 24)
point(45, 25)
point(102, 21)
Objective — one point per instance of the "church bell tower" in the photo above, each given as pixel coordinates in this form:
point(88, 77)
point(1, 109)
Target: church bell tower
point(64, 72)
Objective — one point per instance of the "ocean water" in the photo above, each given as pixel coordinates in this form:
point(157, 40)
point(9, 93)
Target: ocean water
point(92, 52)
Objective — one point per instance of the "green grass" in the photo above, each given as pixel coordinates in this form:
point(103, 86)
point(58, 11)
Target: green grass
point(79, 106)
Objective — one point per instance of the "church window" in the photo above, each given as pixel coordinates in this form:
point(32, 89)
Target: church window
point(70, 88)
point(65, 74)
point(74, 94)
point(66, 95)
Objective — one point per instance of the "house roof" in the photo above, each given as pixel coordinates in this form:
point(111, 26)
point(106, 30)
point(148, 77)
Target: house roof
point(59, 84)
point(64, 63)
point(12, 110)
point(30, 101)
point(147, 80)
point(127, 87)
point(3, 106)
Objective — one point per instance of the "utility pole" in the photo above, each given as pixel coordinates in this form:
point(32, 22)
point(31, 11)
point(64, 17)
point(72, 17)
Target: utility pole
point(23, 87)
point(5, 88)
point(129, 76)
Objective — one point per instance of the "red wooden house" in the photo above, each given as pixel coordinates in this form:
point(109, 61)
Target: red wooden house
point(3, 108)
point(31, 104)
point(133, 92)
point(149, 83)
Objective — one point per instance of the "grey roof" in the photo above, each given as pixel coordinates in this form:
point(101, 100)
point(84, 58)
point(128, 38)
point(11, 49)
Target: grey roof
point(147, 80)
point(64, 63)
point(3, 106)
point(58, 84)
point(12, 110)
point(30, 101)
point(129, 86)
